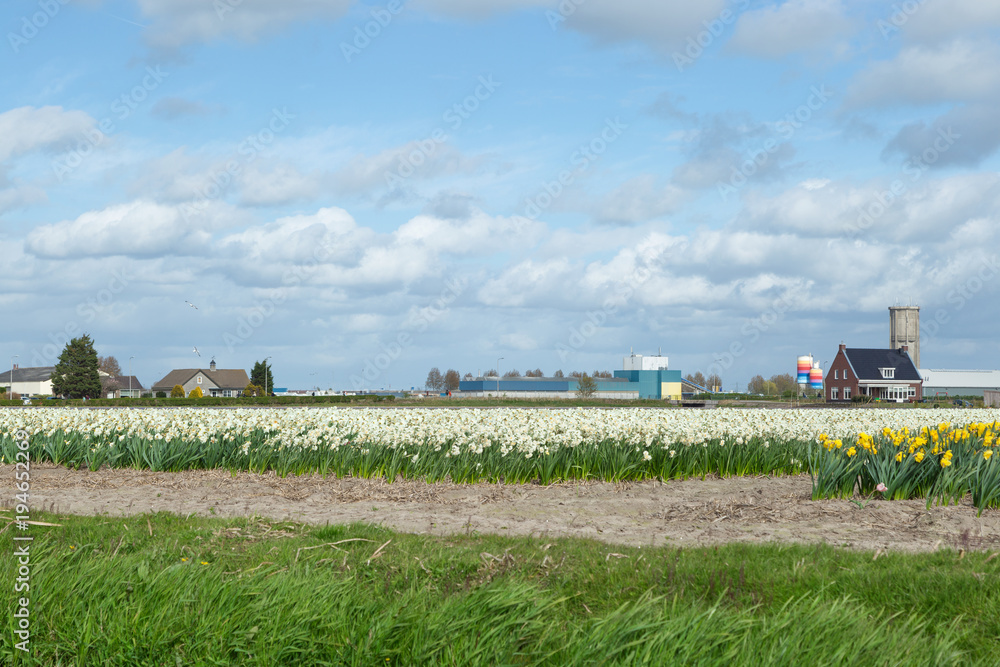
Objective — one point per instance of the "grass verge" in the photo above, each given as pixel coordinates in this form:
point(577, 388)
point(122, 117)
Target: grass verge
point(164, 590)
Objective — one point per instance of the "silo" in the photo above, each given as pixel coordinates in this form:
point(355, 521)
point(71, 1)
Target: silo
point(904, 329)
point(816, 377)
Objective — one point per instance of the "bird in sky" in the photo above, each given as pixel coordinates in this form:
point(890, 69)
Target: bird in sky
point(191, 304)
point(197, 352)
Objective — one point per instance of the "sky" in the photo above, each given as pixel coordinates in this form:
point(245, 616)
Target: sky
point(361, 191)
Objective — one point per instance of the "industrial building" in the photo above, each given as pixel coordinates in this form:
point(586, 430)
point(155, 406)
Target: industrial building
point(958, 383)
point(642, 377)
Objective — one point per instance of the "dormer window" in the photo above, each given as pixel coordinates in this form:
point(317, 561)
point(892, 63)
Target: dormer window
point(199, 379)
point(888, 373)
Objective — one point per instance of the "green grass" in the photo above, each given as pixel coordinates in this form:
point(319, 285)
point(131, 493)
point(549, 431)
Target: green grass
point(107, 592)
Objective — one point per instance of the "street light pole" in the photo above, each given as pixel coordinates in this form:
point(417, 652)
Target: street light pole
point(11, 395)
point(130, 376)
point(498, 376)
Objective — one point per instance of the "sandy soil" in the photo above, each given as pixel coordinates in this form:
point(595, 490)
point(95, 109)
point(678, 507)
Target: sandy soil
point(692, 512)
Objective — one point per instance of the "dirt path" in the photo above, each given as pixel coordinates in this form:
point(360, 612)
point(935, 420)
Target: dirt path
point(693, 512)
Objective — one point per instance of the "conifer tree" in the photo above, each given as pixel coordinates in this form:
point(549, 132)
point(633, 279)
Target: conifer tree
point(75, 374)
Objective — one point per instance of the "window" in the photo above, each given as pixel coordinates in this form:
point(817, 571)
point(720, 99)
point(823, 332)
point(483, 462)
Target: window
point(847, 393)
point(228, 393)
point(836, 375)
point(913, 391)
point(888, 373)
point(199, 379)
point(833, 393)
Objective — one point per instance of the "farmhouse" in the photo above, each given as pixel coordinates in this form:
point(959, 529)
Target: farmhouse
point(213, 381)
point(887, 375)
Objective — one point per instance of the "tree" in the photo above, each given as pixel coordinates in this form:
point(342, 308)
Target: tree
point(451, 380)
point(261, 376)
point(785, 383)
point(109, 365)
point(512, 373)
point(558, 374)
point(714, 382)
point(75, 374)
point(603, 374)
point(585, 386)
point(253, 390)
point(468, 376)
point(490, 373)
point(757, 385)
point(576, 374)
point(196, 393)
point(537, 373)
point(177, 391)
point(697, 379)
point(435, 381)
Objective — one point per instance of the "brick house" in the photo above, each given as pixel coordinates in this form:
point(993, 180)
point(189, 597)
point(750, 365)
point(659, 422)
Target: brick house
point(887, 375)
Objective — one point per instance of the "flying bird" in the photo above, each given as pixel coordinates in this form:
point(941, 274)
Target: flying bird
point(191, 304)
point(197, 352)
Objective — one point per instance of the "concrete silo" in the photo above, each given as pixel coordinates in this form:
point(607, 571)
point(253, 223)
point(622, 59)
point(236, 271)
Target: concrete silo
point(904, 330)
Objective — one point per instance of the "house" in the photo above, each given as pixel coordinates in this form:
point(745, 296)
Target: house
point(213, 381)
point(127, 386)
point(28, 381)
point(887, 375)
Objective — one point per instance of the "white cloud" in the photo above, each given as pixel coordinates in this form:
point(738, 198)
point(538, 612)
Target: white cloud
point(28, 128)
point(639, 200)
point(175, 23)
point(140, 228)
point(943, 21)
point(795, 26)
point(960, 71)
point(665, 25)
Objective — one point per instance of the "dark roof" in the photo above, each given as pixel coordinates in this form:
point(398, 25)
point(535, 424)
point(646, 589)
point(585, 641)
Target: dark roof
point(38, 374)
point(223, 378)
point(867, 362)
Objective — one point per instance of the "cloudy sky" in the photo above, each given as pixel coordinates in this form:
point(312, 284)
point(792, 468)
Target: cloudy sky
point(362, 191)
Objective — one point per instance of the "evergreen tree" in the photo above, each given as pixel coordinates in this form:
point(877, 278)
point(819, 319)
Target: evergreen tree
point(177, 391)
point(196, 393)
point(75, 374)
point(259, 378)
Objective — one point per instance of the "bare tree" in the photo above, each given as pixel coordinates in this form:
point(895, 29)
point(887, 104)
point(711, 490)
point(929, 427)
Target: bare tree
point(576, 374)
point(451, 380)
point(109, 365)
point(585, 386)
point(714, 382)
point(491, 373)
point(757, 385)
point(435, 381)
point(537, 373)
point(468, 376)
point(512, 373)
point(558, 374)
point(697, 378)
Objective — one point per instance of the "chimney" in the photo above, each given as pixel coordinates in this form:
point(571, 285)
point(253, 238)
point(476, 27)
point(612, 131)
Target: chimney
point(212, 365)
point(16, 366)
point(842, 347)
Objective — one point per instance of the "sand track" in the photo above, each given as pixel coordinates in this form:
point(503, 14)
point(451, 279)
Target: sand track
point(692, 512)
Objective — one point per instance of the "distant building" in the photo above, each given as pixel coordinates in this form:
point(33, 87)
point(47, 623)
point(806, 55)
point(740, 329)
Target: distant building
point(904, 330)
point(887, 375)
point(642, 377)
point(213, 382)
point(958, 383)
point(28, 381)
point(127, 386)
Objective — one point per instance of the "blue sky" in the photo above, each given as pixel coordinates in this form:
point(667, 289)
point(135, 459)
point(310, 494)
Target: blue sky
point(364, 190)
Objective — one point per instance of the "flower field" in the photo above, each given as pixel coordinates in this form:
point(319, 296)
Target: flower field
point(936, 454)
